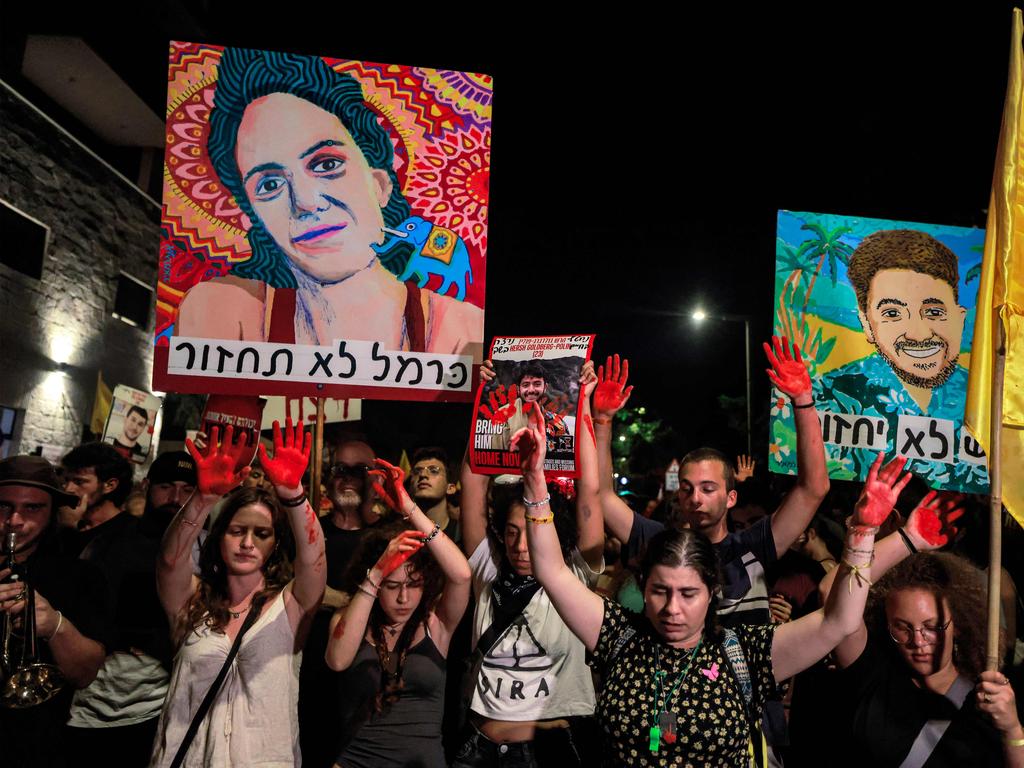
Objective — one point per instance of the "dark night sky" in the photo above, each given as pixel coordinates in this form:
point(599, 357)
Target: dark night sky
point(637, 164)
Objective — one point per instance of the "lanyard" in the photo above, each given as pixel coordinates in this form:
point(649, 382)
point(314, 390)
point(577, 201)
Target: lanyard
point(654, 734)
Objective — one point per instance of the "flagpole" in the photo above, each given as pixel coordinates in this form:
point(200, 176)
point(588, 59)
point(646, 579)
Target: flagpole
point(995, 544)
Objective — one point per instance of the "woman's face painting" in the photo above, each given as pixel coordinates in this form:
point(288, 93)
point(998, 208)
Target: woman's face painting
point(310, 186)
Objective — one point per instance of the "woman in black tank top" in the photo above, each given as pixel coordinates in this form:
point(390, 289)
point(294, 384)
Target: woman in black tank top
point(410, 586)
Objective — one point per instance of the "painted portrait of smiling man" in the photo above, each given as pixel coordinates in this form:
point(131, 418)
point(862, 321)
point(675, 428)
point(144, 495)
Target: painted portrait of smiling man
point(906, 284)
point(883, 311)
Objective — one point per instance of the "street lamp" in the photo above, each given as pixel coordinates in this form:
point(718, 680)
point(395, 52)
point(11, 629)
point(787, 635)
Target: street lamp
point(699, 315)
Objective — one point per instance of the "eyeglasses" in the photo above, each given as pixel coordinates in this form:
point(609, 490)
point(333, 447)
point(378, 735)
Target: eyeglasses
point(904, 633)
point(354, 471)
point(429, 469)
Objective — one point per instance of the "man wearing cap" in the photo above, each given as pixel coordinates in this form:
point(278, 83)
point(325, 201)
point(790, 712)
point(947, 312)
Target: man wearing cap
point(118, 712)
point(69, 608)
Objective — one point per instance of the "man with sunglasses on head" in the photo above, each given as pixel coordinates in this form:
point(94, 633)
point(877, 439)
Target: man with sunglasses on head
point(351, 496)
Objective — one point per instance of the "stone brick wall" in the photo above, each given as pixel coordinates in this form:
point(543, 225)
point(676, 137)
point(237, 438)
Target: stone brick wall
point(100, 225)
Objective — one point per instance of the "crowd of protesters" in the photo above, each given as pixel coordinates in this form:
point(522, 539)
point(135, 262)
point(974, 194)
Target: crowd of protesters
point(221, 620)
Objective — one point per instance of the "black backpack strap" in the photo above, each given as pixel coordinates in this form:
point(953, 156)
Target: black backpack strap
point(211, 695)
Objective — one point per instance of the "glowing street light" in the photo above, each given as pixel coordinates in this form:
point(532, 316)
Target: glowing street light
point(698, 315)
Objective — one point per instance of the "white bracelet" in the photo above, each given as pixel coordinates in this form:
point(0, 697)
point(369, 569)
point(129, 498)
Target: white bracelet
point(60, 621)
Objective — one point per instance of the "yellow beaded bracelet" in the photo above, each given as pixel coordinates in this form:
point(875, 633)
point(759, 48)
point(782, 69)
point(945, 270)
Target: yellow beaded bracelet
point(548, 518)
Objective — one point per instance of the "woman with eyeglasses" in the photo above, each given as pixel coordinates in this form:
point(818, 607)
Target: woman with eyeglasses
point(410, 586)
point(913, 676)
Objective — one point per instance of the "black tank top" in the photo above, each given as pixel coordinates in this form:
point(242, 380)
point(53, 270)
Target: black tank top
point(408, 733)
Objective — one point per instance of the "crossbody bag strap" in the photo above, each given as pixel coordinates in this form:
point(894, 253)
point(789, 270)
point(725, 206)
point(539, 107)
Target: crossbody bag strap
point(931, 732)
point(211, 694)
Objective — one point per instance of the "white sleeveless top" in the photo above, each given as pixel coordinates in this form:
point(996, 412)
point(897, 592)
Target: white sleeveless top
point(254, 719)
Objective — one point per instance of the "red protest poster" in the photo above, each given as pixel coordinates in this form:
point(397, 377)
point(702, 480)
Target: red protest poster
point(530, 369)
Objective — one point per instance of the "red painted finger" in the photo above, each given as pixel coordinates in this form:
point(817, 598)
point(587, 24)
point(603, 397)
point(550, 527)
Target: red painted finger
point(192, 450)
point(493, 400)
point(276, 435)
point(625, 372)
point(775, 379)
point(214, 443)
point(600, 373)
point(955, 515)
point(873, 471)
point(797, 356)
point(779, 349)
point(616, 369)
point(774, 361)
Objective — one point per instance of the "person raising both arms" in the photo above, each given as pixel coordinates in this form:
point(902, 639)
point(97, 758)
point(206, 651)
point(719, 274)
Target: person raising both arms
point(530, 675)
point(914, 674)
point(679, 691)
point(410, 587)
point(244, 601)
point(707, 490)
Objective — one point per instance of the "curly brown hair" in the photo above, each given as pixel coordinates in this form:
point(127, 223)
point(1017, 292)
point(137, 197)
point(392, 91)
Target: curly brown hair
point(948, 577)
point(901, 249)
point(209, 604)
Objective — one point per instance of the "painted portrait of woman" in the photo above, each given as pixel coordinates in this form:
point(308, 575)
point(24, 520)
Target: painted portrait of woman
point(310, 165)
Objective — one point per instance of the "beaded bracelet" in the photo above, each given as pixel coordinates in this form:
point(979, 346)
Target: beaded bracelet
point(548, 518)
point(539, 503)
point(429, 538)
point(907, 541)
point(295, 501)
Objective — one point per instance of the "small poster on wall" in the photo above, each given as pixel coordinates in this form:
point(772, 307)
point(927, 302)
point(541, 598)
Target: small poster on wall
point(129, 426)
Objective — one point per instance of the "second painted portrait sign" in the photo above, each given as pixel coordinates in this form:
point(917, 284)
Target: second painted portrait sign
point(883, 313)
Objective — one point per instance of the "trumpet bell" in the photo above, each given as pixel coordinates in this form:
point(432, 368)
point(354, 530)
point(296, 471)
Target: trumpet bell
point(31, 685)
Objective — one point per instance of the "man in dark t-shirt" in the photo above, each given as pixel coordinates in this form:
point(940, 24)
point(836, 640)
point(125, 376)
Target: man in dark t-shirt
point(70, 608)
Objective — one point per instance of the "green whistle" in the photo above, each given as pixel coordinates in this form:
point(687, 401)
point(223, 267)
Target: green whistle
point(655, 739)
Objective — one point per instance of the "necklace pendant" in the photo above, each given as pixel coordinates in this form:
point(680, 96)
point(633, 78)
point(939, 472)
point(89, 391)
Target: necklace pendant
point(667, 724)
point(654, 739)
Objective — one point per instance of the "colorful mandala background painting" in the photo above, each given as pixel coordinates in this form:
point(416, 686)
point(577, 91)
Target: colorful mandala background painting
point(439, 124)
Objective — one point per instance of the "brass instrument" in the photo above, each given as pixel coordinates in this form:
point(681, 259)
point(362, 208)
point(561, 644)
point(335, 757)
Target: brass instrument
point(24, 680)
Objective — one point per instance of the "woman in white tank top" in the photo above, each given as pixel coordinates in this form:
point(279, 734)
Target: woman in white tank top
point(245, 566)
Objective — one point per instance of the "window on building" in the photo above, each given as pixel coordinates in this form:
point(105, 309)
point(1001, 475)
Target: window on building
point(133, 300)
point(25, 241)
point(8, 422)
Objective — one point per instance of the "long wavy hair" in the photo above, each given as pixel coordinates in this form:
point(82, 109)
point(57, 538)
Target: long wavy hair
point(210, 602)
point(244, 75)
point(422, 564)
point(687, 548)
point(948, 577)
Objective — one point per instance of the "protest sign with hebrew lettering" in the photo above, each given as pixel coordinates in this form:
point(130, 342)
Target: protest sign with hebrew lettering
point(531, 371)
point(883, 313)
point(324, 227)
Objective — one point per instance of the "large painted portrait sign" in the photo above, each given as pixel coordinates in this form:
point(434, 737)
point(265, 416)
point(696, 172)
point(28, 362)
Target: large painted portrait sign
point(324, 227)
point(883, 312)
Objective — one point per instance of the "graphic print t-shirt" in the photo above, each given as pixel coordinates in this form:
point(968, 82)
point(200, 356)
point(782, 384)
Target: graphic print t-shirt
point(536, 670)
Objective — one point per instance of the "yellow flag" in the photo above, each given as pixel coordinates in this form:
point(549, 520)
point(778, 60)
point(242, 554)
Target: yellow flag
point(1001, 296)
point(100, 406)
point(403, 463)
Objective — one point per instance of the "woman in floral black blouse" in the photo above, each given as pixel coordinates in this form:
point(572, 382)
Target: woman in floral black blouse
point(678, 691)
